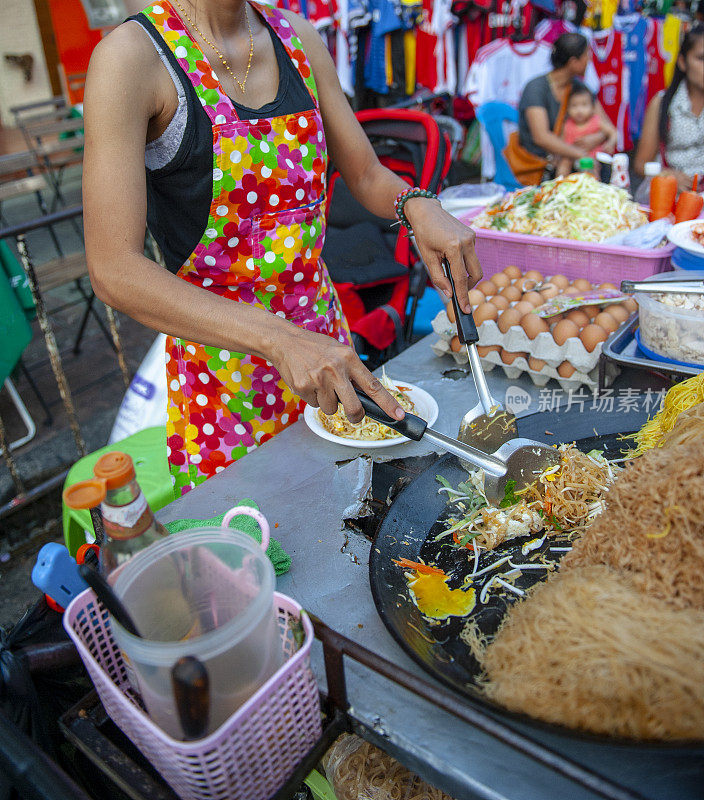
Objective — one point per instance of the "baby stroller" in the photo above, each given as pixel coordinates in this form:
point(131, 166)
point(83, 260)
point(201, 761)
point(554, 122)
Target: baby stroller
point(373, 266)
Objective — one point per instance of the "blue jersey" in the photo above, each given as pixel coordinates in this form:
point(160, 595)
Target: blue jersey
point(634, 35)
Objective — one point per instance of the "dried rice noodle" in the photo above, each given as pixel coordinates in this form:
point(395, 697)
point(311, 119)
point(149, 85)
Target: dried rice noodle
point(653, 526)
point(589, 651)
point(359, 771)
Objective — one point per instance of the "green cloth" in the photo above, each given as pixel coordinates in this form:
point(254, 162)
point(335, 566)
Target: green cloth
point(276, 553)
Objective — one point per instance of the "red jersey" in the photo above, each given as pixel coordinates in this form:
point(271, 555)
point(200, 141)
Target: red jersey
point(657, 58)
point(607, 57)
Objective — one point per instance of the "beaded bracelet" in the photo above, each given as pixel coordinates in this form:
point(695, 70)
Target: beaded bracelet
point(403, 198)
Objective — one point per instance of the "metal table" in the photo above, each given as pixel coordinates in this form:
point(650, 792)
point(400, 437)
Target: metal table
point(306, 487)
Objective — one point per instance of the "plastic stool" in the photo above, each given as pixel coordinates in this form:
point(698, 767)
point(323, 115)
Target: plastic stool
point(148, 451)
point(492, 116)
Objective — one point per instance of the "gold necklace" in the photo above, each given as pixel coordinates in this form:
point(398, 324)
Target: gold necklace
point(240, 83)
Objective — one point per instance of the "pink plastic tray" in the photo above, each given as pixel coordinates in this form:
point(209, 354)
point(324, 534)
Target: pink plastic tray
point(597, 263)
point(252, 753)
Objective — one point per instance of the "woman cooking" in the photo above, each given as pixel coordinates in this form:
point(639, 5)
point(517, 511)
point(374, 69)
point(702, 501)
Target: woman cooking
point(229, 172)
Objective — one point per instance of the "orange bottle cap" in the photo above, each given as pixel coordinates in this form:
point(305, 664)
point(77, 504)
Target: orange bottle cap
point(85, 494)
point(115, 468)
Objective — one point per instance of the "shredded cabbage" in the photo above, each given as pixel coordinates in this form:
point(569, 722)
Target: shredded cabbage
point(575, 207)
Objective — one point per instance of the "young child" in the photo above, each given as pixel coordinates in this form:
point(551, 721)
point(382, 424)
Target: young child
point(582, 120)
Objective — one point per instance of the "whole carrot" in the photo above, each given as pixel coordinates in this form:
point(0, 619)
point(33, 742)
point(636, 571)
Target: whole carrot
point(663, 190)
point(689, 204)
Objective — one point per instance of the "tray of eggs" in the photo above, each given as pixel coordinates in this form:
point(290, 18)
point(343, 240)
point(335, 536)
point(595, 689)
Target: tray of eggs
point(512, 335)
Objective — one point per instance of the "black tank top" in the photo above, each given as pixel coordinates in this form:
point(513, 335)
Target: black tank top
point(179, 194)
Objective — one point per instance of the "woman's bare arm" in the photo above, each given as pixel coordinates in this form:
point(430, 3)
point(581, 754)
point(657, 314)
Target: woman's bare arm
point(120, 99)
point(539, 125)
point(438, 234)
point(649, 142)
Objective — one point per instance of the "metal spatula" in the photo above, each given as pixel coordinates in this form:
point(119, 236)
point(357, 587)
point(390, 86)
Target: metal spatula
point(520, 460)
point(488, 425)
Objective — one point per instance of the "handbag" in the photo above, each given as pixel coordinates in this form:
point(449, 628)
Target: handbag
point(526, 166)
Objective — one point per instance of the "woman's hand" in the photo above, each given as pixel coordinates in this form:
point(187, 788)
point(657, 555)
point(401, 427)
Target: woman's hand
point(439, 235)
point(684, 181)
point(323, 372)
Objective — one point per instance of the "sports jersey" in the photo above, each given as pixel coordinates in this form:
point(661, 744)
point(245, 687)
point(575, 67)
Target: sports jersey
point(499, 72)
point(634, 30)
point(657, 59)
point(671, 32)
point(607, 57)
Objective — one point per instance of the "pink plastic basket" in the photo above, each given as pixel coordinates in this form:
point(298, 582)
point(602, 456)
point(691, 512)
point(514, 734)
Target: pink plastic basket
point(597, 263)
point(252, 753)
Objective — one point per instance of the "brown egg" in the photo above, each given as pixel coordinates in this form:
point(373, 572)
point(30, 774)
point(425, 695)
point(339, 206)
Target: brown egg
point(564, 330)
point(536, 363)
point(512, 272)
point(484, 312)
point(582, 285)
point(476, 297)
point(509, 358)
point(630, 305)
point(484, 349)
point(578, 316)
point(487, 288)
point(566, 370)
point(618, 312)
point(591, 336)
point(533, 298)
point(606, 286)
point(500, 280)
point(526, 284)
point(450, 311)
point(455, 344)
point(532, 324)
point(606, 321)
point(560, 281)
point(524, 307)
point(549, 292)
point(509, 318)
point(552, 321)
point(533, 274)
point(500, 302)
point(511, 293)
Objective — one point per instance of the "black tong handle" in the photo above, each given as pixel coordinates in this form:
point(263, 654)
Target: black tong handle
point(466, 329)
point(191, 687)
point(411, 426)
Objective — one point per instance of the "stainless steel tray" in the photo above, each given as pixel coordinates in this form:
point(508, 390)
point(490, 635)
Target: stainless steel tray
point(621, 348)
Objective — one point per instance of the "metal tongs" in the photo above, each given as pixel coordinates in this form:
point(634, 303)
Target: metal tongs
point(520, 460)
point(676, 286)
point(487, 425)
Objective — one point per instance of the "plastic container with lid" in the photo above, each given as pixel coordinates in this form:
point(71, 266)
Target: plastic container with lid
point(206, 593)
point(670, 331)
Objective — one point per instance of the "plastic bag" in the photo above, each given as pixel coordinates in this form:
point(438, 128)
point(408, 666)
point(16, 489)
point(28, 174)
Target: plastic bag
point(144, 403)
point(34, 703)
point(359, 771)
point(465, 196)
point(647, 236)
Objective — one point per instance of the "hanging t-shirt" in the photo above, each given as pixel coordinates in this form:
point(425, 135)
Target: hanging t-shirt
point(385, 19)
point(607, 57)
point(500, 71)
point(671, 33)
point(634, 31)
point(657, 59)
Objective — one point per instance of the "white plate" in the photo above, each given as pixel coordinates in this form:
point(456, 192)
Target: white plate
point(425, 404)
point(680, 235)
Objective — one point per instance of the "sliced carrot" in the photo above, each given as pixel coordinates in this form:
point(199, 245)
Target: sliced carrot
point(458, 540)
point(425, 569)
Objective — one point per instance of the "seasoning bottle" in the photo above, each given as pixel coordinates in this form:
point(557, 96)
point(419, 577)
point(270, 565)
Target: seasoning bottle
point(642, 196)
point(586, 164)
point(620, 176)
point(127, 519)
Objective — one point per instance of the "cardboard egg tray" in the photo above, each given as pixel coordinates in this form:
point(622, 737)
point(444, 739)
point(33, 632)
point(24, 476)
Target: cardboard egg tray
point(516, 340)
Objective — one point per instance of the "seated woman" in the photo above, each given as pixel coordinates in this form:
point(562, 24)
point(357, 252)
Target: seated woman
point(539, 106)
point(673, 128)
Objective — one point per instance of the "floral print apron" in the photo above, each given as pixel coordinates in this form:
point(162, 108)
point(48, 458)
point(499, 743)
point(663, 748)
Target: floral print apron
point(261, 246)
